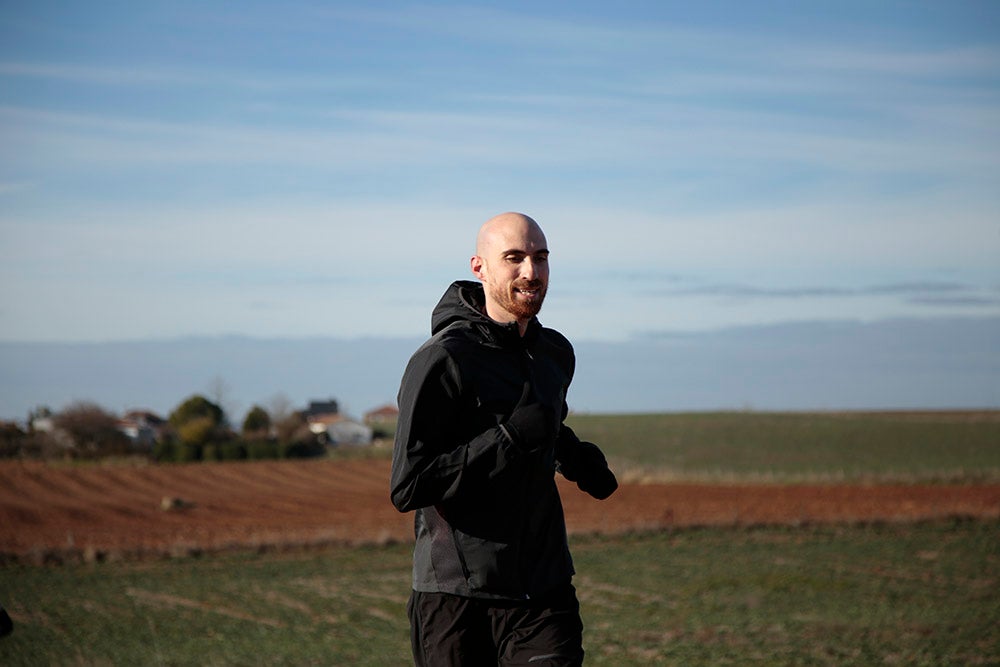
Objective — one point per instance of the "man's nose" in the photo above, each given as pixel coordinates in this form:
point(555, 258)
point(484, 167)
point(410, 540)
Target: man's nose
point(529, 271)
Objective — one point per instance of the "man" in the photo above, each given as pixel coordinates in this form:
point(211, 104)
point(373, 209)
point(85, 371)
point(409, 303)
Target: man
point(479, 438)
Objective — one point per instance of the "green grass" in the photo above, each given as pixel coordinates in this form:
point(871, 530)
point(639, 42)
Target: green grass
point(799, 446)
point(862, 595)
point(908, 595)
point(339, 608)
point(786, 447)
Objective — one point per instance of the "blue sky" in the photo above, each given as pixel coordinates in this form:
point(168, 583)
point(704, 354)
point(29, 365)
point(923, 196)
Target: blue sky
point(299, 169)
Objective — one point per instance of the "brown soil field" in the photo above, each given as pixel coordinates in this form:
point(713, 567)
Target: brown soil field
point(57, 513)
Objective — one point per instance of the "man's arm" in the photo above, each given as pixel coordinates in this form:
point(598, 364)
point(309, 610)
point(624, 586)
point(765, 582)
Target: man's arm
point(432, 459)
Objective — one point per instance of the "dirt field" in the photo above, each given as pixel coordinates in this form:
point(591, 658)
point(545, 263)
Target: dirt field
point(58, 513)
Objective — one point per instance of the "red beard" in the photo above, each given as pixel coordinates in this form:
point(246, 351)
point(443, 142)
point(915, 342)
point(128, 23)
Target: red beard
point(512, 300)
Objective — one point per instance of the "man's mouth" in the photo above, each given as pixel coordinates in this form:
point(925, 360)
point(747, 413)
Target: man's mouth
point(528, 292)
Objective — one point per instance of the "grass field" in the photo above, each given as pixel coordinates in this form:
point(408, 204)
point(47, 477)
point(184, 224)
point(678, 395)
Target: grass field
point(900, 446)
point(918, 594)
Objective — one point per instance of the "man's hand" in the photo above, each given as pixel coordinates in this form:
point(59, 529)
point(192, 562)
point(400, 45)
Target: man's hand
point(584, 463)
point(531, 425)
point(599, 482)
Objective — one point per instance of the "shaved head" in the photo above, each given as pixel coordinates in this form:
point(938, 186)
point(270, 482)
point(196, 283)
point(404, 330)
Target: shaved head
point(496, 229)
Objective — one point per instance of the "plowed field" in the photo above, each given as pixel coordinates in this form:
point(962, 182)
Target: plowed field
point(56, 513)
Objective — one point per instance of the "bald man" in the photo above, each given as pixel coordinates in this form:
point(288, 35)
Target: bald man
point(479, 439)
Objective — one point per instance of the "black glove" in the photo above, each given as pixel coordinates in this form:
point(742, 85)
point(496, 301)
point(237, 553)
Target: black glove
point(6, 625)
point(531, 425)
point(586, 465)
point(600, 484)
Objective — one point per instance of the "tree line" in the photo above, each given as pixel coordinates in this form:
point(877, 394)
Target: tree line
point(196, 430)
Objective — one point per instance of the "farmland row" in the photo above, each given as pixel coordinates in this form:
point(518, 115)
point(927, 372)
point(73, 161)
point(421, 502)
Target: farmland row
point(53, 511)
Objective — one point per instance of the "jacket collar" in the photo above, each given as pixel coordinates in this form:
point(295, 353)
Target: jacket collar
point(465, 300)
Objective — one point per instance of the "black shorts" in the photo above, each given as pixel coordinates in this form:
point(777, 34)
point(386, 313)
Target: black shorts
point(451, 630)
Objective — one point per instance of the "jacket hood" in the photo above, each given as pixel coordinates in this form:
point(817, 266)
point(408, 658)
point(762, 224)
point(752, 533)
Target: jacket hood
point(465, 301)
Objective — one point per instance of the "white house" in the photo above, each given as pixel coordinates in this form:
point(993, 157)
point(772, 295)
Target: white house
point(325, 418)
point(348, 432)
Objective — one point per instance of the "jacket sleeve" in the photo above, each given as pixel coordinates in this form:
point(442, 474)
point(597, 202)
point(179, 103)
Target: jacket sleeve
point(432, 460)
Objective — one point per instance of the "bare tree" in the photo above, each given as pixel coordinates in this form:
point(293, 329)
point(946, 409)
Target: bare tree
point(218, 390)
point(280, 407)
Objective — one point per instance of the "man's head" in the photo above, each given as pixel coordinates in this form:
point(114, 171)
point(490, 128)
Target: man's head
point(512, 260)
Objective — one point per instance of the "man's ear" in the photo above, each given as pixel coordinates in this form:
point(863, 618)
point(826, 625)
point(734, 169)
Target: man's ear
point(477, 265)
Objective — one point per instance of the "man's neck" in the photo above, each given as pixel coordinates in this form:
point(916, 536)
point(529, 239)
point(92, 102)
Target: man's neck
point(505, 318)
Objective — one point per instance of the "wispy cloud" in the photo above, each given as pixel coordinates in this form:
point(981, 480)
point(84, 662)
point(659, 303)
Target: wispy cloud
point(924, 293)
point(969, 300)
point(185, 78)
point(119, 76)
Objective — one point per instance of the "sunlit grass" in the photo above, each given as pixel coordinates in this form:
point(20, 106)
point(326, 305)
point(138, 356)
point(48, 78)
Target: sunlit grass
point(822, 595)
point(805, 447)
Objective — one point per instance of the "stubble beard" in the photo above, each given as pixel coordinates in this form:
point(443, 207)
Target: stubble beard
point(506, 297)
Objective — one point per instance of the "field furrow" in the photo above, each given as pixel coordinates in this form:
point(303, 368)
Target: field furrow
point(61, 512)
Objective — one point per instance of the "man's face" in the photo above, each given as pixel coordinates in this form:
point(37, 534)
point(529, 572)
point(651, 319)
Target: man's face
point(514, 269)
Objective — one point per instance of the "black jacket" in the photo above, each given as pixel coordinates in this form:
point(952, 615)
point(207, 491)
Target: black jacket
point(489, 522)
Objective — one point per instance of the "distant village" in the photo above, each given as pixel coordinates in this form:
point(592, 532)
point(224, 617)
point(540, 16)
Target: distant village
point(323, 419)
point(197, 429)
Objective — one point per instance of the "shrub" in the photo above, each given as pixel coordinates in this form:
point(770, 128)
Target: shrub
point(303, 449)
point(187, 453)
point(165, 450)
point(12, 440)
point(257, 422)
point(196, 407)
point(262, 449)
point(232, 450)
point(198, 431)
point(92, 431)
